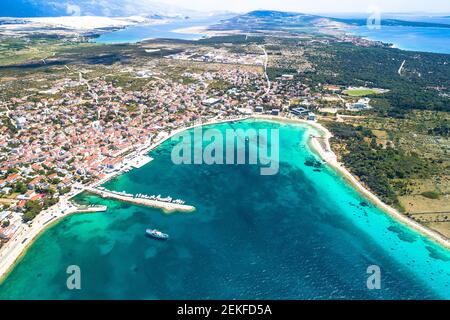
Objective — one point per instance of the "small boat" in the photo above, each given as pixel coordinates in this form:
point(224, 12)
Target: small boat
point(157, 234)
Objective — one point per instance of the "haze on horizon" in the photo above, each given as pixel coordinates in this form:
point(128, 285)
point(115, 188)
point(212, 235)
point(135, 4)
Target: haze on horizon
point(42, 8)
point(317, 6)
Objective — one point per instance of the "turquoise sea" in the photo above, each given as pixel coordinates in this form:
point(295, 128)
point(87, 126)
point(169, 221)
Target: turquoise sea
point(165, 31)
point(301, 234)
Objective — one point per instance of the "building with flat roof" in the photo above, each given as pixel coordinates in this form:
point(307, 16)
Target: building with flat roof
point(210, 102)
point(300, 111)
point(362, 104)
point(311, 117)
point(287, 77)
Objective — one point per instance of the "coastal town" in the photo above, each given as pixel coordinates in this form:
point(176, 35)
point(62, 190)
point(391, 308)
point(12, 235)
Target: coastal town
point(68, 131)
point(159, 150)
point(77, 130)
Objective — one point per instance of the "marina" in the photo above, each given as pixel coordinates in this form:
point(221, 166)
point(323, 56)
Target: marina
point(167, 204)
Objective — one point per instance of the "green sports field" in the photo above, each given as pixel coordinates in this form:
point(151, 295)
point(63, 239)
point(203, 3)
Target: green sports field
point(360, 92)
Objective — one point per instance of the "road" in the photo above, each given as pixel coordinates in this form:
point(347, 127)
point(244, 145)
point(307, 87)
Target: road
point(401, 67)
point(266, 62)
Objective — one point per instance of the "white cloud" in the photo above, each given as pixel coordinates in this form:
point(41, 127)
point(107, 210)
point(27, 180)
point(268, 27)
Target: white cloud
point(143, 7)
point(316, 5)
point(73, 10)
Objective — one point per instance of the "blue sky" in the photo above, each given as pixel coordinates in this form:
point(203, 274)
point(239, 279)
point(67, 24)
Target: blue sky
point(432, 6)
point(26, 8)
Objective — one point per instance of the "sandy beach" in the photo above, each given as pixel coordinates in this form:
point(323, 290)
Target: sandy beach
point(16, 247)
point(203, 30)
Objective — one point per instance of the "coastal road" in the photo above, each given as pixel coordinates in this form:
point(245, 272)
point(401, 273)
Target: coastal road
point(401, 67)
point(12, 250)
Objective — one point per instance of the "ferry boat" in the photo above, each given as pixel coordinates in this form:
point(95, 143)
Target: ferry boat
point(157, 234)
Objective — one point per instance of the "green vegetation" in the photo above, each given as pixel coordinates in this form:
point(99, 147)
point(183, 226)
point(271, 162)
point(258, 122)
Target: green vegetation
point(128, 82)
point(235, 39)
point(219, 85)
point(32, 209)
point(431, 195)
point(360, 92)
point(442, 129)
point(20, 50)
point(385, 170)
point(20, 187)
point(349, 65)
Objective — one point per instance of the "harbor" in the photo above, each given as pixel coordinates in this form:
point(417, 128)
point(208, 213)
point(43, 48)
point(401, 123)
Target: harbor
point(139, 161)
point(167, 204)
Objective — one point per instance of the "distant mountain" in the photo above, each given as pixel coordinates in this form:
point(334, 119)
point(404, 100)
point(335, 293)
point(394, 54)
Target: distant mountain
point(278, 20)
point(109, 8)
point(272, 20)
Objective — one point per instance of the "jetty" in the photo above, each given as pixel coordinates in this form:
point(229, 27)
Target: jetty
point(90, 209)
point(139, 161)
point(152, 203)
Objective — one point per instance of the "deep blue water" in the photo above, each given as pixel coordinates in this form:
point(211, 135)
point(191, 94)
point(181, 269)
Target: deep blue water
point(301, 234)
point(410, 38)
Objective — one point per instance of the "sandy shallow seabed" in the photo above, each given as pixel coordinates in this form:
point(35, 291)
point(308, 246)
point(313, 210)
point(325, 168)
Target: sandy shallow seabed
point(327, 155)
point(203, 30)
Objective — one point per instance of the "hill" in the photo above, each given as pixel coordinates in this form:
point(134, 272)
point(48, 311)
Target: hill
point(272, 20)
point(277, 20)
point(110, 8)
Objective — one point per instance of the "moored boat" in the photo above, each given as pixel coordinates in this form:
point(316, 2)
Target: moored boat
point(156, 234)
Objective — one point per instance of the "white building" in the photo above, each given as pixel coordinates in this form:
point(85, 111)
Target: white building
point(362, 104)
point(287, 77)
point(20, 122)
point(311, 117)
point(210, 102)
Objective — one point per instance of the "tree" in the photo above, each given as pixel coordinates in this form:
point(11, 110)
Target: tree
point(32, 209)
point(20, 187)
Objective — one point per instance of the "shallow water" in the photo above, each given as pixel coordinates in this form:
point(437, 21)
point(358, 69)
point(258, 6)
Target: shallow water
point(301, 234)
point(166, 31)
